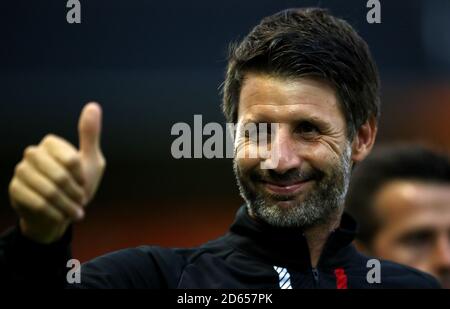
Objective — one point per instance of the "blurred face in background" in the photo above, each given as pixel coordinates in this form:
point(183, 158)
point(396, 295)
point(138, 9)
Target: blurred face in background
point(415, 226)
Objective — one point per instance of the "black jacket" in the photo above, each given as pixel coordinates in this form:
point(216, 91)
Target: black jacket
point(251, 255)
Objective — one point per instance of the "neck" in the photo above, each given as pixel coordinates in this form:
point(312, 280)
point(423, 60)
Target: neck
point(317, 236)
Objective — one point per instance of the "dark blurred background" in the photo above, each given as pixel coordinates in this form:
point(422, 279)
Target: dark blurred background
point(154, 63)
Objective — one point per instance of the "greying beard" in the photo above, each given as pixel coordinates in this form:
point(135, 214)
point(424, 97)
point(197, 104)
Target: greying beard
point(324, 201)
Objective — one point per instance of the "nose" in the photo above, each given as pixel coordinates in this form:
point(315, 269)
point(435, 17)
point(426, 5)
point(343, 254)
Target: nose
point(285, 152)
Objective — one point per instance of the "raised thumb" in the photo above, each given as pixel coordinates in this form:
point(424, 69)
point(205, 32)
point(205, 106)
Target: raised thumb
point(89, 129)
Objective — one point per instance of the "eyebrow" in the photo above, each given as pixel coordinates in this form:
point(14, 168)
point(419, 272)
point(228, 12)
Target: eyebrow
point(313, 119)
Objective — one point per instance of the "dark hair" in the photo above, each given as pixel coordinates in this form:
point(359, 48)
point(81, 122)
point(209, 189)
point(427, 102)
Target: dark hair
point(385, 164)
point(307, 42)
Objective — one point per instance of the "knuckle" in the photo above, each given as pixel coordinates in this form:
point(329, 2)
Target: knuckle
point(30, 152)
point(61, 179)
point(48, 139)
point(73, 160)
point(20, 168)
point(51, 193)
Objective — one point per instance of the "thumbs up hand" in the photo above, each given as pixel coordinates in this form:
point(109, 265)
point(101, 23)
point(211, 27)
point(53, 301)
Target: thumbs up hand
point(91, 156)
point(55, 181)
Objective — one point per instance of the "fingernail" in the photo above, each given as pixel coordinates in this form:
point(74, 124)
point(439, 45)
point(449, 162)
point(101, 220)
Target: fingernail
point(80, 214)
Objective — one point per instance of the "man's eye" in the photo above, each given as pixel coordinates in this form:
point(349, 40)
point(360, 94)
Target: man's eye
point(307, 129)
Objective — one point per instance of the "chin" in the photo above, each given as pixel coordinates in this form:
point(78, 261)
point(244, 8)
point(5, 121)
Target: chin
point(284, 204)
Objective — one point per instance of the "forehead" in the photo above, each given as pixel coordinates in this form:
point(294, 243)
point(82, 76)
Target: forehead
point(418, 202)
point(278, 99)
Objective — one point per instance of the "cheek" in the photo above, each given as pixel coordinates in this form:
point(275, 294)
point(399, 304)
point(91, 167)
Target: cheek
point(320, 156)
point(386, 247)
point(246, 152)
point(411, 257)
point(246, 164)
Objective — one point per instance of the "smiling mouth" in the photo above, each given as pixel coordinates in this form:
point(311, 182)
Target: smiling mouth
point(286, 188)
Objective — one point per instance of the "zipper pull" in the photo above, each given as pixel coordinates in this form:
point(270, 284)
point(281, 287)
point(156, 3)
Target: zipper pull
point(315, 272)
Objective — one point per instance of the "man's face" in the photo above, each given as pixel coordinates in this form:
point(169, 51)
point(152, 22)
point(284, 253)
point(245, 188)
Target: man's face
point(415, 226)
point(308, 183)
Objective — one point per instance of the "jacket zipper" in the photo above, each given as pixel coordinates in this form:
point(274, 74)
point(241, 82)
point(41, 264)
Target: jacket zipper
point(315, 273)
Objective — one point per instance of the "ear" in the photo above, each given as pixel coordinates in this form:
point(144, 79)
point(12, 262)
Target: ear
point(364, 139)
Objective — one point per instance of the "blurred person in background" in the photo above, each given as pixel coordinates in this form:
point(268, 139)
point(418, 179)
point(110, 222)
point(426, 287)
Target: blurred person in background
point(400, 196)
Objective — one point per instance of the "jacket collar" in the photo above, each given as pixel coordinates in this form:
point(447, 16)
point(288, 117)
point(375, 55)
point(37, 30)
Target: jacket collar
point(288, 247)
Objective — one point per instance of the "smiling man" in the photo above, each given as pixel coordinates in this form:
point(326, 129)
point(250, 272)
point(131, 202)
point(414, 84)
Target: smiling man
point(307, 186)
point(306, 71)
